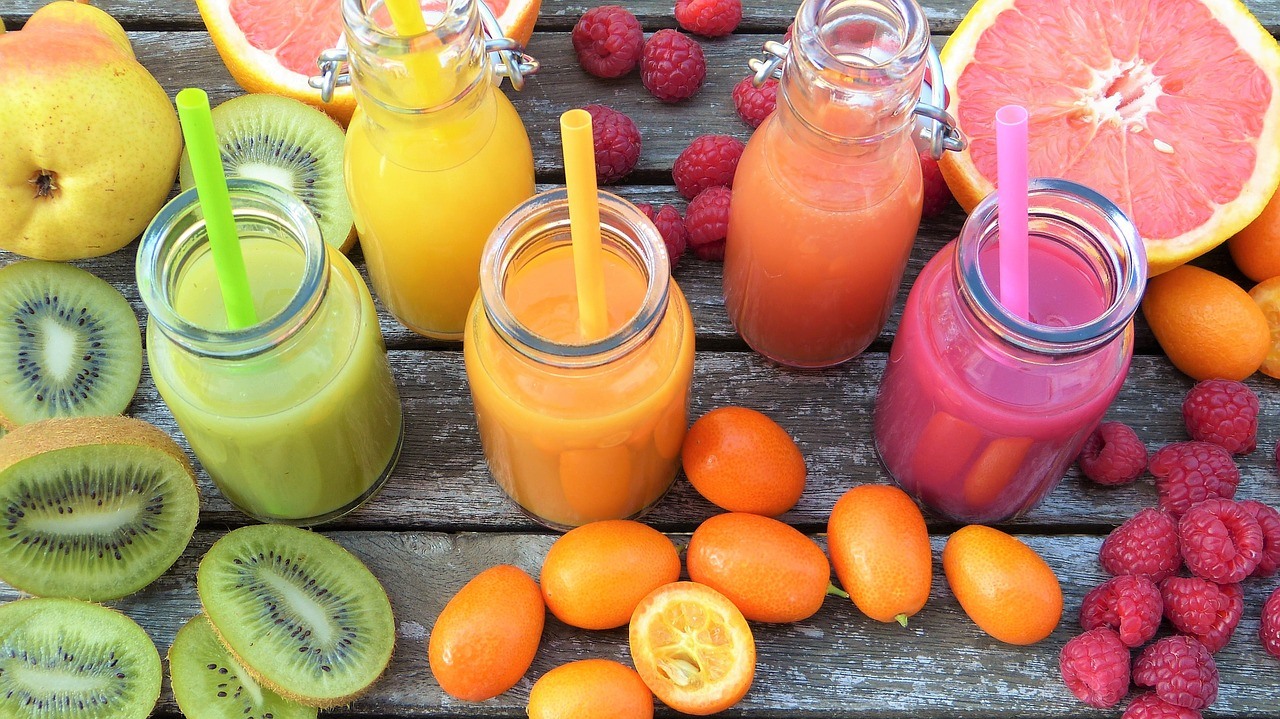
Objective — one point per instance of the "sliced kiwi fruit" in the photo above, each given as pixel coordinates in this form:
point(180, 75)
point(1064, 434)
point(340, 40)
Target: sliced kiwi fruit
point(67, 659)
point(208, 683)
point(303, 615)
point(69, 344)
point(289, 144)
point(92, 507)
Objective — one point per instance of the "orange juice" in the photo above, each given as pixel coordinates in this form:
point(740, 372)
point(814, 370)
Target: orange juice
point(577, 431)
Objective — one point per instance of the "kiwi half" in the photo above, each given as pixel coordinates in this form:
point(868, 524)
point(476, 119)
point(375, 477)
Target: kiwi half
point(69, 344)
point(303, 615)
point(92, 507)
point(208, 683)
point(63, 658)
point(290, 144)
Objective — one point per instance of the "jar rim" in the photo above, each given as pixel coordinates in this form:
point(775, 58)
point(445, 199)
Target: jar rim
point(910, 53)
point(454, 20)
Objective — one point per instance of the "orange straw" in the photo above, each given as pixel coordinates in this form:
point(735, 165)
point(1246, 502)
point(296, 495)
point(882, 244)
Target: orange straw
point(584, 222)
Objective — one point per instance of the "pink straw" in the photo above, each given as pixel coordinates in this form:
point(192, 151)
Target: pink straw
point(1011, 189)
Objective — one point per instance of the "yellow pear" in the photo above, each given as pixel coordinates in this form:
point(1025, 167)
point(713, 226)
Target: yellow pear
point(91, 141)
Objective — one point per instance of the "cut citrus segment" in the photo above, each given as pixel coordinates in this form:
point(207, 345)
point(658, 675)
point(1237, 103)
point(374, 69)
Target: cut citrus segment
point(1170, 108)
point(693, 648)
point(272, 45)
point(1267, 295)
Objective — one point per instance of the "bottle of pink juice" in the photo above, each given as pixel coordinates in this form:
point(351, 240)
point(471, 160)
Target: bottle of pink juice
point(981, 412)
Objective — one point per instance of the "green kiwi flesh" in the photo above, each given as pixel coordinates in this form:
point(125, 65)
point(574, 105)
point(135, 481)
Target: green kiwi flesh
point(63, 658)
point(289, 144)
point(208, 683)
point(69, 344)
point(303, 615)
point(92, 507)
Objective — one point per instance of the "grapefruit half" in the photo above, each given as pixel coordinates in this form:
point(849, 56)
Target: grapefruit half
point(272, 45)
point(1170, 108)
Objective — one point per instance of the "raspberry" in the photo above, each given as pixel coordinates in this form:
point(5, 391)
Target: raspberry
point(1203, 610)
point(1222, 411)
point(1113, 454)
point(1095, 667)
point(617, 143)
point(672, 67)
point(707, 221)
point(671, 227)
point(1220, 541)
point(937, 196)
point(1190, 472)
point(710, 18)
point(1269, 520)
point(1227, 620)
point(708, 161)
point(1147, 544)
point(1269, 631)
point(755, 103)
point(608, 41)
point(1181, 670)
point(1150, 706)
point(1129, 604)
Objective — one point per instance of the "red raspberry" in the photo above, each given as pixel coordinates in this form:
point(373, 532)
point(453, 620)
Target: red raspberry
point(1129, 604)
point(1113, 454)
point(708, 161)
point(1147, 544)
point(608, 41)
point(707, 221)
point(755, 103)
point(1269, 631)
point(1220, 541)
point(672, 67)
point(1222, 411)
point(710, 18)
point(617, 143)
point(1226, 622)
point(1190, 472)
point(1269, 520)
point(1203, 610)
point(1150, 706)
point(1181, 670)
point(1095, 667)
point(937, 196)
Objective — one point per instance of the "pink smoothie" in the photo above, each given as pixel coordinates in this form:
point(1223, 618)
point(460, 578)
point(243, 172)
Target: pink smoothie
point(978, 430)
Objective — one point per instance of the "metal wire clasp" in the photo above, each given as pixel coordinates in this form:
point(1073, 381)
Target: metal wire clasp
point(936, 130)
point(507, 58)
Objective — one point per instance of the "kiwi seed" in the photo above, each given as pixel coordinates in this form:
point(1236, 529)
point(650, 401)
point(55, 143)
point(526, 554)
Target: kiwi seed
point(92, 507)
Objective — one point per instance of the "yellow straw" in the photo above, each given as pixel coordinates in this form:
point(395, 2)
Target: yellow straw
point(584, 221)
point(423, 68)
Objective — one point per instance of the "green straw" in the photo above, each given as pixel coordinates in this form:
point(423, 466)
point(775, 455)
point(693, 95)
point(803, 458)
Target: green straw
point(211, 188)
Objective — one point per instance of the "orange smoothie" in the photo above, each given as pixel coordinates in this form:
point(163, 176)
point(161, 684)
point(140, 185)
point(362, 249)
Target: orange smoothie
point(576, 444)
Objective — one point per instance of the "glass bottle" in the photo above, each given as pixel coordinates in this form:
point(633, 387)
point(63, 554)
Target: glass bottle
point(435, 156)
point(297, 418)
point(980, 412)
point(577, 431)
point(827, 196)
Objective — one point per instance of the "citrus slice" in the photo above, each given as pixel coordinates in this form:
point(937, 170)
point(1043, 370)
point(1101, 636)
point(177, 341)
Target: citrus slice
point(1170, 108)
point(1267, 295)
point(693, 648)
point(272, 45)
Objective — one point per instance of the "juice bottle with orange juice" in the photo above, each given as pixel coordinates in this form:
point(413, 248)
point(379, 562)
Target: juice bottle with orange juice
point(435, 156)
point(827, 195)
point(579, 429)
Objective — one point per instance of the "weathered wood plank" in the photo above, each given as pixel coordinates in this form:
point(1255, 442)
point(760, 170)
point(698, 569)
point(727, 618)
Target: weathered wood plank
point(838, 663)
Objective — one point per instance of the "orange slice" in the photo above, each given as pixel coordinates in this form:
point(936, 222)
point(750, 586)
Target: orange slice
point(1267, 295)
point(1170, 108)
point(272, 45)
point(693, 648)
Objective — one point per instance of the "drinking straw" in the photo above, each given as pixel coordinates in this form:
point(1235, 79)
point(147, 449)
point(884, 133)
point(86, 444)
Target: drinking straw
point(423, 69)
point(220, 223)
point(1011, 189)
point(584, 221)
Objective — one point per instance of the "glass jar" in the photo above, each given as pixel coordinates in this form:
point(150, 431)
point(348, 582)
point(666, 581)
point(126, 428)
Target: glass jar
point(980, 412)
point(435, 156)
point(295, 418)
point(577, 431)
point(827, 195)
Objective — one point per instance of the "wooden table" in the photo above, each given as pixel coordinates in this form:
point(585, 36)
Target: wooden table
point(440, 519)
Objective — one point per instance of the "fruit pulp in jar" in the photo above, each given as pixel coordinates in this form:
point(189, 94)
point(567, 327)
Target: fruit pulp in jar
point(426, 196)
point(975, 432)
point(577, 445)
point(301, 433)
point(816, 248)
